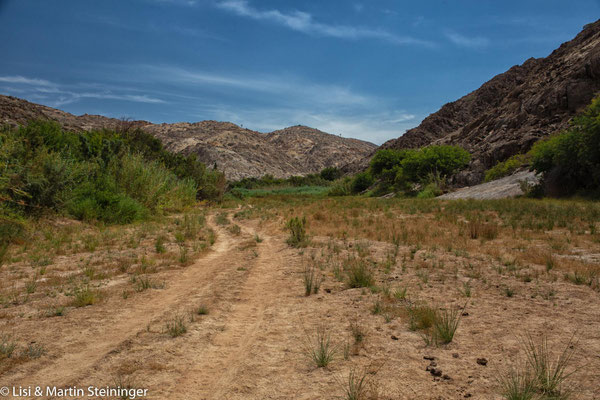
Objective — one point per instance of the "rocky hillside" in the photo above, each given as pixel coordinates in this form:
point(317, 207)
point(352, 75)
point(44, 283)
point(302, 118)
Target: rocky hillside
point(238, 152)
point(513, 110)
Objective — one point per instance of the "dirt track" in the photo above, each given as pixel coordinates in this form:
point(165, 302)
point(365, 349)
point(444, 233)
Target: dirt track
point(250, 345)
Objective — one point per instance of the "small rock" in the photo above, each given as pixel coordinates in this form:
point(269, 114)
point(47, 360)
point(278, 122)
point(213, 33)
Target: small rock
point(394, 337)
point(455, 355)
point(467, 395)
point(430, 358)
point(465, 314)
point(435, 372)
point(446, 377)
point(328, 290)
point(482, 361)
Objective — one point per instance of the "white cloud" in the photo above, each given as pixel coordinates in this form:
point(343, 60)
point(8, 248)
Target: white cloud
point(26, 81)
point(303, 22)
point(281, 87)
point(57, 95)
point(464, 41)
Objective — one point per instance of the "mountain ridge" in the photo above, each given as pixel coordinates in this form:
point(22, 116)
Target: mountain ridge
point(237, 151)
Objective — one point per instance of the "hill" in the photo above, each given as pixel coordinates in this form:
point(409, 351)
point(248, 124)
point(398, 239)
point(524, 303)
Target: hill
point(513, 110)
point(237, 151)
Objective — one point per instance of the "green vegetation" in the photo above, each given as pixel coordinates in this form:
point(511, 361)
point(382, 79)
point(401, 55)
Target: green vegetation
point(570, 161)
point(507, 167)
point(297, 228)
point(113, 177)
point(408, 171)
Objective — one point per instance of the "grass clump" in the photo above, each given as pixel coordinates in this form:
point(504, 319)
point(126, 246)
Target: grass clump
point(438, 327)
point(358, 385)
point(319, 349)
point(85, 296)
point(359, 274)
point(517, 385)
point(542, 376)
point(7, 347)
point(176, 326)
point(311, 280)
point(297, 229)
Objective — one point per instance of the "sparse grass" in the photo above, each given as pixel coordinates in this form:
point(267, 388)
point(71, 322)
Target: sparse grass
point(357, 385)
point(550, 373)
point(176, 326)
point(235, 230)
point(297, 229)
point(421, 317)
point(319, 349)
point(400, 293)
point(7, 347)
point(311, 279)
point(359, 274)
point(143, 283)
point(221, 219)
point(358, 331)
point(201, 310)
point(517, 384)
point(159, 244)
point(438, 327)
point(33, 351)
point(85, 296)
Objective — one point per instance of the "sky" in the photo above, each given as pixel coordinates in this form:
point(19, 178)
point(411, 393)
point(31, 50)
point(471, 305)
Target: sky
point(357, 68)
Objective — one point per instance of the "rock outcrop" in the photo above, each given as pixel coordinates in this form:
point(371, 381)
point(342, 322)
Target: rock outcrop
point(238, 152)
point(513, 110)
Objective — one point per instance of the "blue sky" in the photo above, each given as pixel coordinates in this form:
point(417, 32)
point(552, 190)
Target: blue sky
point(366, 69)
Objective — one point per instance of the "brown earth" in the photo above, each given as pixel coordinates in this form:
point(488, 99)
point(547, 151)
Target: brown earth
point(252, 343)
point(513, 110)
point(239, 152)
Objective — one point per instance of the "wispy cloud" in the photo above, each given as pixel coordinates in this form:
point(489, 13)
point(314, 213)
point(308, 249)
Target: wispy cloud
point(17, 79)
point(57, 95)
point(275, 86)
point(465, 41)
point(304, 22)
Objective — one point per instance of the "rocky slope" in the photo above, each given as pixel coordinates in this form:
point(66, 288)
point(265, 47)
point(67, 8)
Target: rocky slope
point(513, 110)
point(238, 152)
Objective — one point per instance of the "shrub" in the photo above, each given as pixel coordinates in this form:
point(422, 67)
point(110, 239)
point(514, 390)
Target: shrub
point(115, 177)
point(505, 168)
point(399, 169)
point(361, 182)
point(342, 187)
point(297, 230)
point(330, 173)
point(570, 161)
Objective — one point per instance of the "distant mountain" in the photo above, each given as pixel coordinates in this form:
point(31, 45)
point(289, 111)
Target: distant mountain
point(238, 152)
point(513, 110)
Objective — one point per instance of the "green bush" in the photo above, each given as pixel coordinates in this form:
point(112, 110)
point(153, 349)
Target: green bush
point(505, 168)
point(297, 228)
point(398, 170)
point(570, 161)
point(115, 177)
point(361, 182)
point(330, 173)
point(341, 187)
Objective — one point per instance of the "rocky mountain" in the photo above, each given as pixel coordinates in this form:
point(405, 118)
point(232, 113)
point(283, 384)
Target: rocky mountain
point(238, 152)
point(513, 110)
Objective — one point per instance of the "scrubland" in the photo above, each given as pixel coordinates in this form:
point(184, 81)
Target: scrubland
point(305, 296)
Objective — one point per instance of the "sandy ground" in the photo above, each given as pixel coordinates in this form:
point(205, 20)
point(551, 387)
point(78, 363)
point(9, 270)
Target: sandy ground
point(251, 344)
